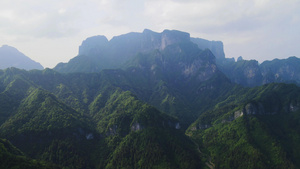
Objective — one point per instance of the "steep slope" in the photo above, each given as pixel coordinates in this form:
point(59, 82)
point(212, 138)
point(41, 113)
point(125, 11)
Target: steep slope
point(139, 135)
point(11, 57)
point(182, 78)
point(251, 73)
point(11, 157)
point(100, 128)
point(46, 129)
point(244, 72)
point(257, 128)
point(281, 70)
point(216, 47)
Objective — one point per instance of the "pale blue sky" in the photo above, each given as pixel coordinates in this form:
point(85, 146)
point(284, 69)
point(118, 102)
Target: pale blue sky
point(50, 31)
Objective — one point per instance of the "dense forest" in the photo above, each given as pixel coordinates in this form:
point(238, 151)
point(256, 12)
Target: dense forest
point(168, 102)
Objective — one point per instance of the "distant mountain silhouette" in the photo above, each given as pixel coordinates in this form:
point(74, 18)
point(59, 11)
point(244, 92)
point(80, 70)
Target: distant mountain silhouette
point(11, 57)
point(97, 53)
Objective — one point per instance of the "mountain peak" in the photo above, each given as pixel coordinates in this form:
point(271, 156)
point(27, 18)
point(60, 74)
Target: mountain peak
point(91, 43)
point(12, 57)
point(8, 48)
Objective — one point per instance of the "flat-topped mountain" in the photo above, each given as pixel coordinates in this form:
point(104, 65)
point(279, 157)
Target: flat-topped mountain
point(11, 57)
point(97, 53)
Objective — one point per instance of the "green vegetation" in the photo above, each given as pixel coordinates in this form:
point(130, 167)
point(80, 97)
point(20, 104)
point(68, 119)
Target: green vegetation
point(137, 116)
point(155, 148)
point(11, 157)
point(258, 128)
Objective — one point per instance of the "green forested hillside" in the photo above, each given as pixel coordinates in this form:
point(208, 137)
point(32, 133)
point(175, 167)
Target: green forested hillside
point(257, 129)
point(168, 105)
point(84, 121)
point(11, 157)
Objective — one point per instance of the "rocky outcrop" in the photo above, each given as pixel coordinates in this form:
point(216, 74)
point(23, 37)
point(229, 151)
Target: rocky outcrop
point(281, 70)
point(244, 72)
point(136, 126)
point(216, 47)
point(238, 114)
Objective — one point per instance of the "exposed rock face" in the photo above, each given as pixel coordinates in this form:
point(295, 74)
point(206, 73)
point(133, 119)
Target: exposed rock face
point(11, 57)
point(294, 107)
point(238, 114)
point(250, 73)
point(134, 42)
point(171, 37)
point(216, 47)
point(136, 127)
point(207, 65)
point(284, 70)
point(93, 45)
point(97, 53)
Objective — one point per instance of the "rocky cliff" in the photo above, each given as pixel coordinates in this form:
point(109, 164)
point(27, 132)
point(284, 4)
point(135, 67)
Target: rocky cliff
point(216, 47)
point(251, 73)
point(97, 53)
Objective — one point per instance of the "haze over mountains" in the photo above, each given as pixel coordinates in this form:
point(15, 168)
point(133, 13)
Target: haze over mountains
point(97, 53)
point(11, 57)
point(151, 100)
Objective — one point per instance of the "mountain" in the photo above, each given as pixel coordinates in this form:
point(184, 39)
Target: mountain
point(151, 100)
point(256, 128)
point(216, 47)
point(85, 121)
point(281, 70)
point(97, 53)
point(11, 57)
point(244, 72)
point(11, 157)
point(251, 73)
point(111, 107)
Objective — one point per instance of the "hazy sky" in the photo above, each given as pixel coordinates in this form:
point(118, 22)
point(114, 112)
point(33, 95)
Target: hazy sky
point(50, 31)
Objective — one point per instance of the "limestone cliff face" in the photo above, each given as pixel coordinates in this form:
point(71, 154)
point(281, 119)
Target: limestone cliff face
point(216, 47)
point(171, 37)
point(257, 108)
point(207, 66)
point(284, 70)
point(251, 73)
point(132, 43)
point(244, 72)
point(97, 53)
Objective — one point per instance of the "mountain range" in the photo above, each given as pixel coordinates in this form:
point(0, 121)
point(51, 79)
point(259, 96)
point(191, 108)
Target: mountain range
point(151, 100)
